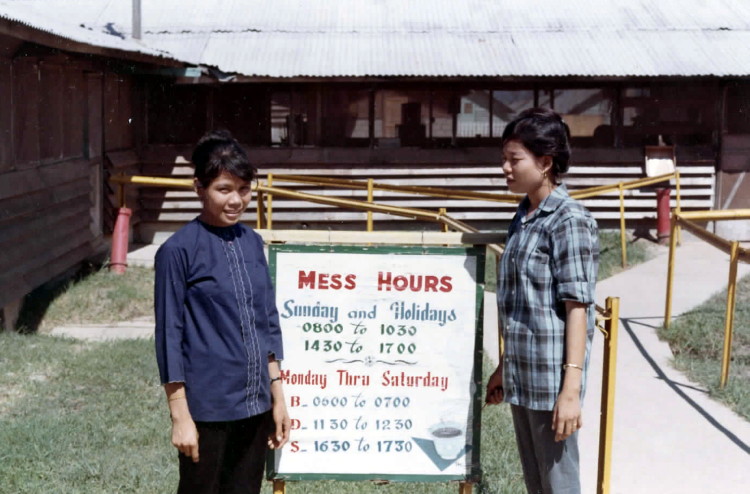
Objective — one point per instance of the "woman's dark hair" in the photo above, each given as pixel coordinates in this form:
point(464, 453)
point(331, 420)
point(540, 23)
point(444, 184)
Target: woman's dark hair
point(543, 132)
point(217, 151)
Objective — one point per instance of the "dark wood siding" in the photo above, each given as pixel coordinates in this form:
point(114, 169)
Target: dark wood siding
point(25, 98)
point(51, 153)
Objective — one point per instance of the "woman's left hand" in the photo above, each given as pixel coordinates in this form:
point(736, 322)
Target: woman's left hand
point(566, 416)
point(282, 423)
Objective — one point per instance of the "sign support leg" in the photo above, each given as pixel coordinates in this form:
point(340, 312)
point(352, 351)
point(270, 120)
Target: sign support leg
point(465, 487)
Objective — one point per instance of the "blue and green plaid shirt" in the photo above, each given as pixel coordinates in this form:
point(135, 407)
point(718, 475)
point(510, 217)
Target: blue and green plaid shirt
point(550, 256)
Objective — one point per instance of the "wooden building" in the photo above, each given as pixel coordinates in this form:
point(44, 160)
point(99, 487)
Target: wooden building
point(411, 93)
point(66, 121)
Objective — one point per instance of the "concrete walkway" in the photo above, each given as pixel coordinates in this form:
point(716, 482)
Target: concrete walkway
point(670, 437)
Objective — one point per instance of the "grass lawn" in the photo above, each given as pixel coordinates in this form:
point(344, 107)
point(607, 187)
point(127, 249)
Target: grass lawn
point(697, 340)
point(91, 418)
point(79, 417)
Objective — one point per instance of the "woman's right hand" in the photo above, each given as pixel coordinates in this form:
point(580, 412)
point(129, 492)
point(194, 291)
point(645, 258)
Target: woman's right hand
point(185, 437)
point(495, 393)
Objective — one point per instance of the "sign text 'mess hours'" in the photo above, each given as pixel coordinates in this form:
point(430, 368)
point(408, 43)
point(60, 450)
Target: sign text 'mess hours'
point(386, 281)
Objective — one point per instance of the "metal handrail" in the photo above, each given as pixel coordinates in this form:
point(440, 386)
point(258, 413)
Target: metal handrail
point(438, 217)
point(370, 186)
point(736, 254)
point(269, 191)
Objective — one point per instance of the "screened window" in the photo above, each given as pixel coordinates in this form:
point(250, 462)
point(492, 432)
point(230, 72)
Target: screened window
point(680, 114)
point(473, 119)
point(293, 119)
point(345, 119)
point(401, 117)
point(588, 113)
point(506, 105)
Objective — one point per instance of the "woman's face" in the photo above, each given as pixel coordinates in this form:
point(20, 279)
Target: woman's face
point(224, 200)
point(524, 172)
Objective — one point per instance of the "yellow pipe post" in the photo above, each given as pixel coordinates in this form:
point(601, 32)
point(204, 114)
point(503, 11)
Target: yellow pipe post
point(269, 208)
point(279, 486)
point(444, 212)
point(370, 183)
point(464, 488)
point(607, 420)
point(670, 272)
point(623, 243)
point(677, 209)
point(729, 318)
point(259, 210)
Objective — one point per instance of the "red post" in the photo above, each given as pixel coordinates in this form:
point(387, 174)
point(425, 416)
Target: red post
point(118, 262)
point(663, 212)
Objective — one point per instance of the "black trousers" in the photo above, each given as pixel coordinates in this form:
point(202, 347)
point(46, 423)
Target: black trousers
point(232, 457)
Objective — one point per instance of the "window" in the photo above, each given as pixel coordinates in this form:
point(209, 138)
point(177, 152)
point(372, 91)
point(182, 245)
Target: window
point(401, 117)
point(506, 105)
point(293, 119)
point(345, 117)
point(680, 114)
point(242, 109)
point(588, 113)
point(443, 103)
point(738, 109)
point(474, 117)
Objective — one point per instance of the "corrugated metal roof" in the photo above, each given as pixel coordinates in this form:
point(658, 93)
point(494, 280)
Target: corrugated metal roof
point(55, 22)
point(359, 38)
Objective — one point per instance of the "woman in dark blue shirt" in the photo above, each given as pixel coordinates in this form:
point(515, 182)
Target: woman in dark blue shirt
point(218, 340)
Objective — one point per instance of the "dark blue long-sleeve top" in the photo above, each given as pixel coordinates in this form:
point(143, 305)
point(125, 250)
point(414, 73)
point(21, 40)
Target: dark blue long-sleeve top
point(216, 320)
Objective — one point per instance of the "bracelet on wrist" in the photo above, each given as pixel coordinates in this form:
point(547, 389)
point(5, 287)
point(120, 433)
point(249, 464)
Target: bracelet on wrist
point(575, 366)
point(274, 379)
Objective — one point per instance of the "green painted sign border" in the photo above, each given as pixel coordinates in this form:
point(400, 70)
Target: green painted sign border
point(474, 475)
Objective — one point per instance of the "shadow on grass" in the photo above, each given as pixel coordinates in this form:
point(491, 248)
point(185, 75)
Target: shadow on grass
point(35, 304)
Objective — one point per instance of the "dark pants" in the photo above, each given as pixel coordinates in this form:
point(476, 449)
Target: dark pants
point(549, 467)
point(232, 457)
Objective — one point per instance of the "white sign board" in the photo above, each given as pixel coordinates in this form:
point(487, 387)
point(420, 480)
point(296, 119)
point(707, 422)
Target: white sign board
point(380, 368)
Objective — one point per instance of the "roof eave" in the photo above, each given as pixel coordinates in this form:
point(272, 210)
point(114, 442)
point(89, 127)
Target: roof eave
point(25, 32)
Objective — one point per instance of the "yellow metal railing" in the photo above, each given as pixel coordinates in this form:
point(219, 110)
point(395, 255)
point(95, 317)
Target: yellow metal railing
point(621, 187)
point(370, 186)
point(268, 192)
point(736, 254)
point(265, 195)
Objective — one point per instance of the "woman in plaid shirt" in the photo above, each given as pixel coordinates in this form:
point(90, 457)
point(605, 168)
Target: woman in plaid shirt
point(545, 297)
